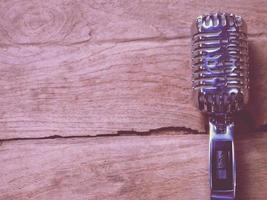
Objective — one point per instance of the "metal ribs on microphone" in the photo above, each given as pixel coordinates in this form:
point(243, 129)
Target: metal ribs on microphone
point(220, 63)
point(220, 88)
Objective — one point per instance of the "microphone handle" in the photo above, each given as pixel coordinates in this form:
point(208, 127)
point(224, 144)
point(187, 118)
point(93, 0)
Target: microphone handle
point(222, 163)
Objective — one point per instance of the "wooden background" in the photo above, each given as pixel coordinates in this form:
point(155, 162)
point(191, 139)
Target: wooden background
point(95, 101)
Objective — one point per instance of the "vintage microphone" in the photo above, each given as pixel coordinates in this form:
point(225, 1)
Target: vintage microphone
point(220, 89)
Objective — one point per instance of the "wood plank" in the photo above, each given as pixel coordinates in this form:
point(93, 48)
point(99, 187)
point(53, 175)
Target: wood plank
point(85, 67)
point(126, 167)
point(99, 94)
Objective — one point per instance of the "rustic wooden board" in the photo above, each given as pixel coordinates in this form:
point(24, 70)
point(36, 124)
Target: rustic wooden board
point(90, 67)
point(78, 68)
point(127, 167)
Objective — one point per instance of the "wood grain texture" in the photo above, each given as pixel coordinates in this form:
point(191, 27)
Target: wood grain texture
point(98, 67)
point(128, 167)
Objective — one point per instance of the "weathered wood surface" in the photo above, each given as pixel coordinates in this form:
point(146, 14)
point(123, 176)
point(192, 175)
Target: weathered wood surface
point(75, 68)
point(126, 167)
point(98, 67)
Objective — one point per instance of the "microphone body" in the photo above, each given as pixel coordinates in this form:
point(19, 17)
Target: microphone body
point(220, 89)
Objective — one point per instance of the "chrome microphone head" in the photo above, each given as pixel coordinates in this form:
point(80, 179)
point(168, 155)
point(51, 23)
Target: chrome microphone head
point(220, 63)
point(220, 85)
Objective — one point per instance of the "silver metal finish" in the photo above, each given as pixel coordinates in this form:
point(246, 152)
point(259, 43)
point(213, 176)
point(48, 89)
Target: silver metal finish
point(223, 138)
point(220, 89)
point(220, 62)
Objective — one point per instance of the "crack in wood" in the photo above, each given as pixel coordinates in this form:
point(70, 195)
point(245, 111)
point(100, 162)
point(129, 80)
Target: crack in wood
point(152, 132)
point(158, 131)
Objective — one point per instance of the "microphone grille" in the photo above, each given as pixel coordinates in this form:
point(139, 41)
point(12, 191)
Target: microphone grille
point(220, 63)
